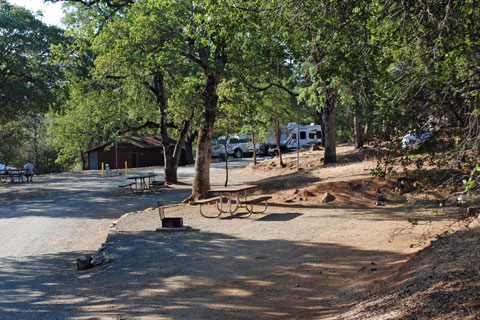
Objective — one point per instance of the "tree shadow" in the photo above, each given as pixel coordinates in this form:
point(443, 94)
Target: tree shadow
point(54, 202)
point(191, 275)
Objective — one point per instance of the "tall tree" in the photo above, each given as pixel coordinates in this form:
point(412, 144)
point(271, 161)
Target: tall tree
point(29, 83)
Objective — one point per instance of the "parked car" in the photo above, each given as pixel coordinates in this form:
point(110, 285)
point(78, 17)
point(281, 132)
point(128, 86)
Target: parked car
point(237, 146)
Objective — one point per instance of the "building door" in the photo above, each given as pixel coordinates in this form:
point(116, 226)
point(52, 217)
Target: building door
point(135, 160)
point(93, 160)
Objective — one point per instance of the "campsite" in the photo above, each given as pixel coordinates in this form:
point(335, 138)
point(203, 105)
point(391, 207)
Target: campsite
point(238, 159)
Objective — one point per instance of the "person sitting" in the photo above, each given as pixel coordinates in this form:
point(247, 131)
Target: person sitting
point(6, 172)
point(29, 170)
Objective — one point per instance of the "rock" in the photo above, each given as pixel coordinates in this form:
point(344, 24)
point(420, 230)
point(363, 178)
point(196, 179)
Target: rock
point(84, 263)
point(306, 193)
point(296, 191)
point(288, 200)
point(316, 148)
point(380, 197)
point(379, 204)
point(472, 211)
point(328, 198)
point(98, 260)
point(405, 185)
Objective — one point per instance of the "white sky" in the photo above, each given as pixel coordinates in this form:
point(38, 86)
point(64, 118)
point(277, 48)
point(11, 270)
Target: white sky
point(52, 12)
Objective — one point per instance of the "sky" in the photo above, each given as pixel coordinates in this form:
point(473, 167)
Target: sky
point(52, 12)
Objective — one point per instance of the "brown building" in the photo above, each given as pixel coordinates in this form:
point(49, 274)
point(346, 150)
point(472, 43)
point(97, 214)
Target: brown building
point(135, 151)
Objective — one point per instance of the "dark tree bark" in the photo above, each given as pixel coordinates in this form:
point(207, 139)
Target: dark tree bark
point(278, 134)
point(201, 180)
point(329, 122)
point(213, 75)
point(254, 149)
point(171, 151)
point(358, 127)
point(188, 148)
point(84, 163)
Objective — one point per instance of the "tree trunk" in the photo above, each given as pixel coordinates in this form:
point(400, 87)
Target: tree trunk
point(188, 149)
point(172, 162)
point(169, 161)
point(226, 162)
point(358, 128)
point(278, 134)
point(254, 149)
point(171, 152)
point(322, 132)
point(84, 163)
point(170, 167)
point(368, 130)
point(329, 122)
point(201, 180)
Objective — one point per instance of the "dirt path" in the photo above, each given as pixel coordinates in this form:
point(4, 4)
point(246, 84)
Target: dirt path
point(300, 260)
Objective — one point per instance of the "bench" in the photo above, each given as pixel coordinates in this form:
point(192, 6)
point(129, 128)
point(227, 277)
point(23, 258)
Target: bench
point(258, 200)
point(157, 186)
point(123, 186)
point(202, 202)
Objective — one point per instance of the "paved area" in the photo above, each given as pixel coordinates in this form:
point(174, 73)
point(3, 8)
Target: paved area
point(72, 211)
point(46, 224)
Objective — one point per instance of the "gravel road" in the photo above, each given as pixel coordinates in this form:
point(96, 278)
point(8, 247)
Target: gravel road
point(46, 224)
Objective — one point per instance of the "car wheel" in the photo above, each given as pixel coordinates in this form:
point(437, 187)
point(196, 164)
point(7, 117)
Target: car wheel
point(238, 153)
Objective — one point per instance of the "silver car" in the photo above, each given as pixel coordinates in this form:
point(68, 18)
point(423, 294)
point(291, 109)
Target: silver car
point(237, 145)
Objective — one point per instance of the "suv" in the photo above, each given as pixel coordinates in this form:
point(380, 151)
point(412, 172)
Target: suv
point(237, 145)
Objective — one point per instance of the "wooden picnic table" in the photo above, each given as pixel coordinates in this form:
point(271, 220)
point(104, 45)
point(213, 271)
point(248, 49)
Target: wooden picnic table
point(237, 193)
point(141, 183)
point(12, 174)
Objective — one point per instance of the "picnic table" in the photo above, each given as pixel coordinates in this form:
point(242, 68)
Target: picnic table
point(11, 174)
point(230, 199)
point(144, 182)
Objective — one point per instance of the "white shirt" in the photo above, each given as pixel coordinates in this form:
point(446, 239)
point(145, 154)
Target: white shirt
point(29, 168)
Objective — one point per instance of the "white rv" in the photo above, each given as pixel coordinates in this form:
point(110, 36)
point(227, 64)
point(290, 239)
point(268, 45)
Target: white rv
point(295, 136)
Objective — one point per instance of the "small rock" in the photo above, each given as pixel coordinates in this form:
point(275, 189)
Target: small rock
point(328, 198)
point(379, 204)
point(406, 186)
point(306, 193)
point(297, 191)
point(288, 200)
point(297, 285)
point(316, 148)
point(472, 211)
point(84, 263)
point(98, 260)
point(380, 197)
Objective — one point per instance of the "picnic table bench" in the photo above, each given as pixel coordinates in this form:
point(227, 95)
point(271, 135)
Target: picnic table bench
point(224, 201)
point(11, 174)
point(130, 184)
point(144, 182)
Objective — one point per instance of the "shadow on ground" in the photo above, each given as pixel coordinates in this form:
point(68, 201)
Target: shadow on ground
point(190, 275)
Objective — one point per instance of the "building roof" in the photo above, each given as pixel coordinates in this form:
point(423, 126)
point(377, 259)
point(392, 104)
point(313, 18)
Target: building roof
point(146, 142)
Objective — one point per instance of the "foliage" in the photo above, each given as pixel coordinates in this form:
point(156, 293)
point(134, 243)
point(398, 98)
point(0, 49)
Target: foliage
point(30, 83)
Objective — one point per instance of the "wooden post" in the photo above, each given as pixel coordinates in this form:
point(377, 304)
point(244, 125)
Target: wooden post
point(126, 167)
point(103, 171)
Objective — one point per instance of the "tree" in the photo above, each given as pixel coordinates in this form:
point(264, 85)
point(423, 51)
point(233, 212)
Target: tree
point(30, 83)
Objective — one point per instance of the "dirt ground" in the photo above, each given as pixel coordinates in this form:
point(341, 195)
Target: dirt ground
point(302, 259)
